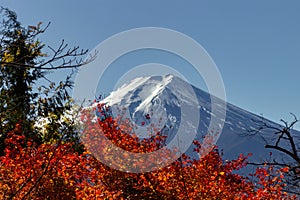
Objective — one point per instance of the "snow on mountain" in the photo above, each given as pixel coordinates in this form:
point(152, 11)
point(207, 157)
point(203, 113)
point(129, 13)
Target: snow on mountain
point(159, 100)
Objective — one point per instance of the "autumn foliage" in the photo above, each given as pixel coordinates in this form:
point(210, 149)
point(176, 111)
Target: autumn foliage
point(58, 171)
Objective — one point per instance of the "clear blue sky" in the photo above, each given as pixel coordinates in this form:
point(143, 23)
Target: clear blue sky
point(255, 44)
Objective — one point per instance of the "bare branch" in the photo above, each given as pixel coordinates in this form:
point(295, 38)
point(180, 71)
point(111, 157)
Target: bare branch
point(288, 147)
point(292, 155)
point(70, 63)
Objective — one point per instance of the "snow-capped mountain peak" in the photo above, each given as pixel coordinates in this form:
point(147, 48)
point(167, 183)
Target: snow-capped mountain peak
point(168, 101)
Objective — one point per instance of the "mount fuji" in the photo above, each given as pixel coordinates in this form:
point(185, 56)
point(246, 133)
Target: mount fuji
point(160, 100)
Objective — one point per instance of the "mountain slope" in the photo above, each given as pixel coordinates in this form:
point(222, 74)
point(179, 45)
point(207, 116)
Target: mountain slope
point(169, 102)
